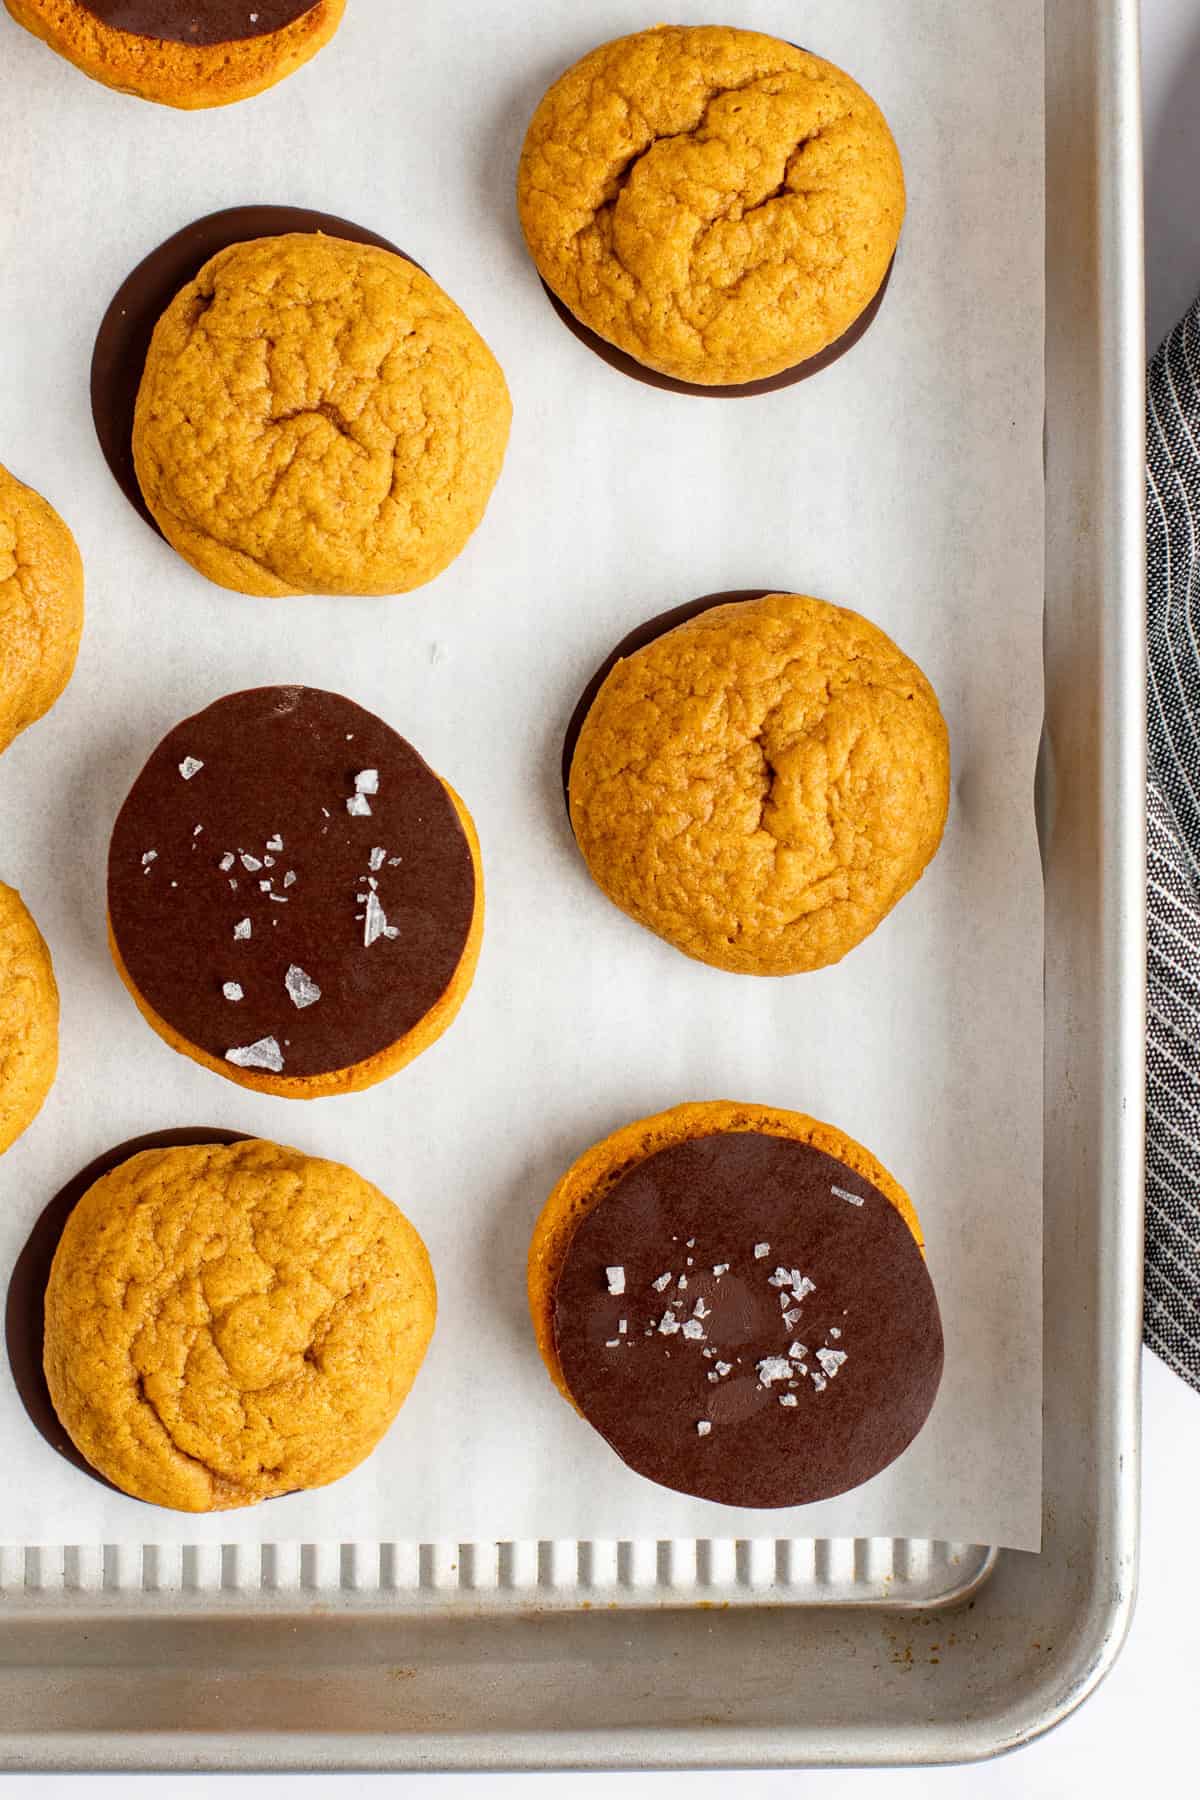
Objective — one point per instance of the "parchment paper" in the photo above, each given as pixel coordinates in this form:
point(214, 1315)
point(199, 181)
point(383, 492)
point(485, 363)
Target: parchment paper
point(905, 481)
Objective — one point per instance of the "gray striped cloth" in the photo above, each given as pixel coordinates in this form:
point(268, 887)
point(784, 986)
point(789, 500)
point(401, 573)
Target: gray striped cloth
point(1173, 852)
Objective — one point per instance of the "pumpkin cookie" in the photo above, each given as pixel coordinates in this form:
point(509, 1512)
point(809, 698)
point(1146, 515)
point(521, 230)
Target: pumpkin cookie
point(28, 1018)
point(225, 1323)
point(317, 416)
point(41, 606)
point(762, 784)
point(719, 205)
point(295, 899)
point(203, 53)
point(736, 1298)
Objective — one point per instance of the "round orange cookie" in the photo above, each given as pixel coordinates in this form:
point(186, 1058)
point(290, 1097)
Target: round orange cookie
point(719, 205)
point(203, 53)
point(762, 784)
point(295, 899)
point(41, 606)
point(226, 1323)
point(28, 1018)
point(735, 1297)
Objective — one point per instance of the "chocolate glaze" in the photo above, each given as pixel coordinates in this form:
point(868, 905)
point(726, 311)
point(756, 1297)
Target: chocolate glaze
point(745, 390)
point(128, 325)
point(637, 639)
point(198, 21)
point(872, 1301)
point(273, 759)
point(25, 1305)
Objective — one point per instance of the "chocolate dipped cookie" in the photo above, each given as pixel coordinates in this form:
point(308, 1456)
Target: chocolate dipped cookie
point(225, 1323)
point(316, 416)
point(295, 899)
point(761, 783)
point(183, 53)
point(720, 206)
point(736, 1298)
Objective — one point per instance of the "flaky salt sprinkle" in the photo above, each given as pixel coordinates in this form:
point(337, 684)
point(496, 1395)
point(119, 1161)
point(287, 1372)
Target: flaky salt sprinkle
point(149, 856)
point(788, 1400)
point(191, 765)
point(358, 806)
point(854, 1199)
point(622, 1326)
point(612, 1343)
point(367, 781)
point(232, 990)
point(242, 929)
point(831, 1361)
point(723, 1369)
point(819, 1382)
point(264, 887)
point(701, 1309)
point(227, 861)
point(289, 877)
point(251, 864)
point(265, 1054)
point(275, 843)
point(761, 1250)
point(196, 830)
point(377, 857)
point(615, 1278)
point(774, 1368)
point(693, 1329)
point(376, 925)
point(668, 1325)
point(834, 1332)
point(663, 1282)
point(703, 1427)
point(798, 1352)
point(720, 1268)
point(301, 988)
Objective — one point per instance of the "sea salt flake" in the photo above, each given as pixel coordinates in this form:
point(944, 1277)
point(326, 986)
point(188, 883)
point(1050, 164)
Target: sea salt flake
point(720, 1268)
point(275, 843)
point(792, 1316)
point(394, 862)
point(622, 1327)
point(191, 765)
point(668, 1325)
point(372, 884)
point(391, 931)
point(798, 1352)
point(819, 1382)
point(682, 1283)
point(774, 1368)
point(831, 1361)
point(377, 856)
point(376, 921)
point(358, 806)
point(693, 1329)
point(227, 861)
point(367, 781)
point(251, 864)
point(703, 1427)
point(701, 1309)
point(834, 1332)
point(662, 1284)
point(615, 1278)
point(761, 1250)
point(803, 1288)
point(854, 1199)
point(148, 857)
point(691, 1244)
point(289, 878)
point(232, 990)
point(265, 1054)
point(723, 1369)
point(713, 1377)
point(242, 929)
point(788, 1400)
point(233, 885)
point(612, 1343)
point(264, 887)
point(302, 989)
point(268, 862)
point(279, 899)
point(196, 830)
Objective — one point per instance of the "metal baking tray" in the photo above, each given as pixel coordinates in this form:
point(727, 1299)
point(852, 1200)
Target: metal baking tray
point(753, 1654)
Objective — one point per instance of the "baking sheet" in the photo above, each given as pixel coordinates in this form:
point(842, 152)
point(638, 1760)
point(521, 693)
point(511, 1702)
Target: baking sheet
point(906, 481)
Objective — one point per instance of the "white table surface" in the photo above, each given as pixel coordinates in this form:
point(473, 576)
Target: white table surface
point(1139, 1729)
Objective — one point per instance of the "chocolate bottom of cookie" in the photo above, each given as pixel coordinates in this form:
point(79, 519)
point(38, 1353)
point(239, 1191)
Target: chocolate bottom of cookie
point(744, 390)
point(637, 639)
point(119, 356)
point(25, 1306)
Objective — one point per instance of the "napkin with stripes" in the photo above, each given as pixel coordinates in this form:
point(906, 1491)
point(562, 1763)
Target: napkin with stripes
point(1173, 852)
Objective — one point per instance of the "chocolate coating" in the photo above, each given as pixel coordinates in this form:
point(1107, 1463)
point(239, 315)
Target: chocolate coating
point(198, 21)
point(871, 1304)
point(282, 763)
point(25, 1304)
point(119, 356)
point(637, 639)
point(745, 390)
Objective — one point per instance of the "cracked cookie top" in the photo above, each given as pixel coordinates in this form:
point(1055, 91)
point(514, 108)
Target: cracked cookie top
point(762, 784)
point(317, 416)
point(718, 204)
point(226, 1323)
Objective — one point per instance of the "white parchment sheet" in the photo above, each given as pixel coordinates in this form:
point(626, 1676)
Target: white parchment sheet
point(905, 481)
